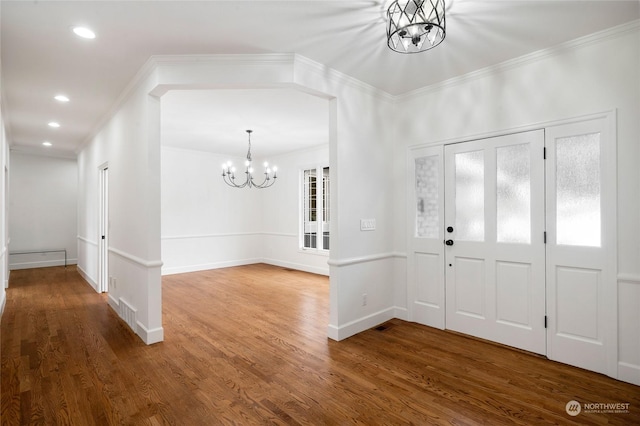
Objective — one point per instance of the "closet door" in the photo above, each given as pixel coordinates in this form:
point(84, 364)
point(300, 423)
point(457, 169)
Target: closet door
point(581, 249)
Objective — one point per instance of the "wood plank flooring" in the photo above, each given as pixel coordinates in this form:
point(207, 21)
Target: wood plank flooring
point(248, 345)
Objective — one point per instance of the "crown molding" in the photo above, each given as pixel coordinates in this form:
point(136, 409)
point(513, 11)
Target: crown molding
point(43, 152)
point(588, 40)
point(213, 59)
point(336, 76)
point(293, 59)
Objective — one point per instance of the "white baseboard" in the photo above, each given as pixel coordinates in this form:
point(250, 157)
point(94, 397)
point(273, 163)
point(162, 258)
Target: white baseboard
point(298, 266)
point(231, 263)
point(207, 266)
point(113, 303)
point(148, 336)
point(401, 313)
point(87, 278)
point(41, 264)
point(3, 301)
point(359, 325)
point(155, 335)
point(629, 373)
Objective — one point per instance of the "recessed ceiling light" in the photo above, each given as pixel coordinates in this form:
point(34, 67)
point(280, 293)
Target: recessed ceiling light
point(47, 143)
point(54, 124)
point(84, 32)
point(61, 98)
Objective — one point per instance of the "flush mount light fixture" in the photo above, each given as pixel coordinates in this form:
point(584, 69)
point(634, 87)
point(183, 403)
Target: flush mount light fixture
point(47, 143)
point(54, 124)
point(415, 25)
point(229, 173)
point(61, 98)
point(84, 32)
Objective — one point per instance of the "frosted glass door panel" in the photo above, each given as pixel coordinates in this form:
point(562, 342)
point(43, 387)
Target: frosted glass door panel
point(578, 190)
point(513, 192)
point(427, 208)
point(469, 186)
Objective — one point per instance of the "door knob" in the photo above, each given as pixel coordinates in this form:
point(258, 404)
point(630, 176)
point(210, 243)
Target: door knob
point(449, 242)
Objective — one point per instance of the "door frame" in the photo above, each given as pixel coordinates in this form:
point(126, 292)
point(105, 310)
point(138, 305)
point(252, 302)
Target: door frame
point(611, 290)
point(103, 228)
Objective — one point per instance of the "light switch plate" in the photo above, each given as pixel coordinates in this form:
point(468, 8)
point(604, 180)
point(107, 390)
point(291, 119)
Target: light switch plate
point(367, 224)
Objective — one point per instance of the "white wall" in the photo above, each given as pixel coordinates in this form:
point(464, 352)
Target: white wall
point(360, 120)
point(129, 143)
point(280, 210)
point(207, 224)
point(43, 209)
point(588, 76)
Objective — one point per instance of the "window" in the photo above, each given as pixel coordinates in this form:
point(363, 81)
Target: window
point(315, 208)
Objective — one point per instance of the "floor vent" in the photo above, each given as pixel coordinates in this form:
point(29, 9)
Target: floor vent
point(383, 327)
point(128, 314)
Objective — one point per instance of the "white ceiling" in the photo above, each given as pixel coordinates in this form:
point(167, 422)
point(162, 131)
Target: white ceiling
point(282, 120)
point(41, 57)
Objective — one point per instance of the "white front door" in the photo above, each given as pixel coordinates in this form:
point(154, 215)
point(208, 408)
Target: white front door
point(581, 256)
point(494, 239)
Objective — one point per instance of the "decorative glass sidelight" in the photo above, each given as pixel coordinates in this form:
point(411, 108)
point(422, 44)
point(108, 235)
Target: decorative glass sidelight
point(578, 208)
point(427, 202)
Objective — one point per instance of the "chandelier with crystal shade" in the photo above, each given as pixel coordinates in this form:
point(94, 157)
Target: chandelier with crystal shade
point(415, 25)
point(229, 173)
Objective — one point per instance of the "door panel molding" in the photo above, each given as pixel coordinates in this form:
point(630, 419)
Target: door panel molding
point(508, 300)
point(581, 249)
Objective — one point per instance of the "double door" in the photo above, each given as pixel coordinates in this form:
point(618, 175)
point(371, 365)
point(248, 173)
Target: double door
point(508, 246)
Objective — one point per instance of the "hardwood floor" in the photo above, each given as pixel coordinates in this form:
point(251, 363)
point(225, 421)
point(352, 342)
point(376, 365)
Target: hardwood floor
point(248, 345)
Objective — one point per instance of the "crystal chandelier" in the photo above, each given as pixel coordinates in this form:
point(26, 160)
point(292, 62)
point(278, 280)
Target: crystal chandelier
point(229, 173)
point(415, 25)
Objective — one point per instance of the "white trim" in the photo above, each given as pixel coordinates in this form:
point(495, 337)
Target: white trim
point(401, 313)
point(87, 278)
point(155, 335)
point(629, 373)
point(207, 266)
point(144, 72)
point(292, 59)
point(3, 302)
point(279, 234)
point(363, 259)
point(357, 326)
point(237, 234)
point(339, 77)
point(529, 58)
point(114, 303)
point(512, 130)
point(298, 266)
point(41, 264)
point(86, 240)
point(136, 259)
point(314, 252)
point(629, 278)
